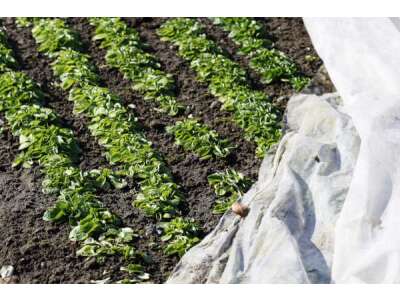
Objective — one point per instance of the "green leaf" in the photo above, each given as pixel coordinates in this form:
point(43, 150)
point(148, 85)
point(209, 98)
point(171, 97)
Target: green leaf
point(59, 212)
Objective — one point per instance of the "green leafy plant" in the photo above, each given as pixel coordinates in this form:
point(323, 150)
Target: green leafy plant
point(218, 70)
point(181, 235)
point(112, 242)
point(24, 21)
point(136, 274)
point(53, 35)
point(17, 89)
point(40, 141)
point(229, 186)
point(271, 64)
point(34, 114)
point(180, 28)
point(7, 60)
point(226, 80)
point(60, 174)
point(74, 68)
point(96, 221)
point(106, 178)
point(159, 196)
point(199, 138)
point(246, 32)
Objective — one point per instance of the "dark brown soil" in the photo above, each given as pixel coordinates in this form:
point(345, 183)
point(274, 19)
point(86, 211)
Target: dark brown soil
point(40, 251)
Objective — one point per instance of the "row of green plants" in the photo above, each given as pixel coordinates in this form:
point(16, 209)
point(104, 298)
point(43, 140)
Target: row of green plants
point(45, 142)
point(252, 110)
point(272, 64)
point(116, 130)
point(126, 52)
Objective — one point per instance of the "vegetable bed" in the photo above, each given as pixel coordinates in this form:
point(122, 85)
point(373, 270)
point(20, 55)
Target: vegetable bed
point(167, 142)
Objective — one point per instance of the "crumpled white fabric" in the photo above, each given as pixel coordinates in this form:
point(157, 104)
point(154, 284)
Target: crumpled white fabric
point(288, 235)
point(362, 56)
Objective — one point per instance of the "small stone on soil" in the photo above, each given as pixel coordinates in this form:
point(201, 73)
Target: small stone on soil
point(215, 104)
point(6, 271)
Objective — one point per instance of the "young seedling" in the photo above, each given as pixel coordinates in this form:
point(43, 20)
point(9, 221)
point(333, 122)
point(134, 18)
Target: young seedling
point(229, 186)
point(74, 68)
point(52, 35)
point(7, 60)
point(181, 235)
point(200, 139)
point(24, 21)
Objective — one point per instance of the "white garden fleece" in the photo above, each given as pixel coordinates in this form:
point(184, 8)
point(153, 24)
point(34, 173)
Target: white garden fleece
point(362, 57)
